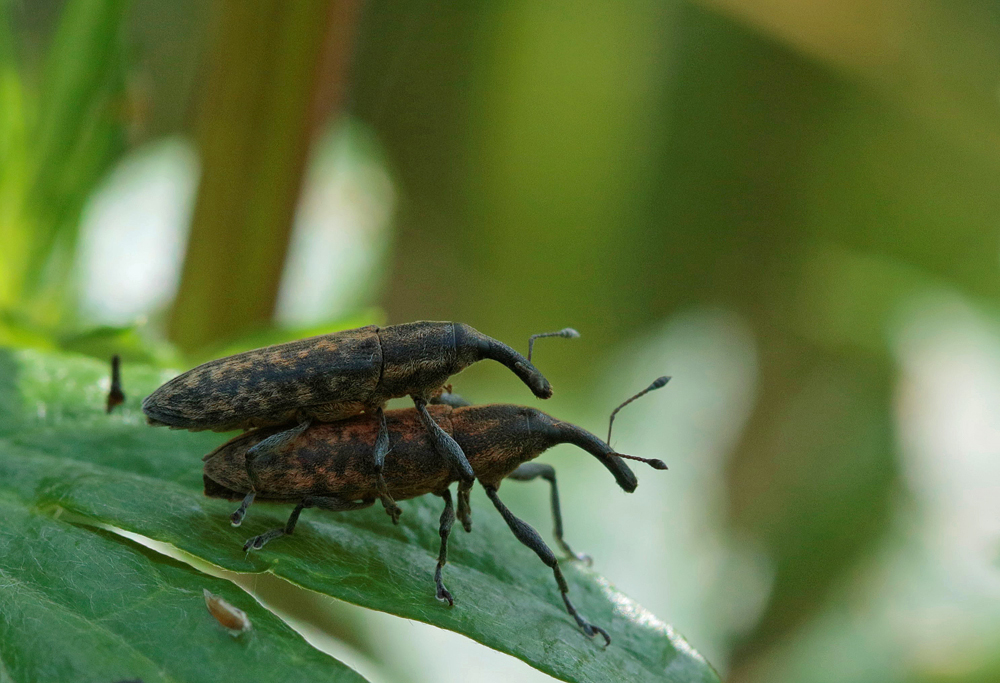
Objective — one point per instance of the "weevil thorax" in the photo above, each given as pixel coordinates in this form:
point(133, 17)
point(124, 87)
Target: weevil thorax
point(472, 346)
point(417, 357)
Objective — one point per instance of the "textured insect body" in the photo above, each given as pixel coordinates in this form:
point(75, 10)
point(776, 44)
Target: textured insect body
point(329, 377)
point(328, 459)
point(325, 465)
point(332, 377)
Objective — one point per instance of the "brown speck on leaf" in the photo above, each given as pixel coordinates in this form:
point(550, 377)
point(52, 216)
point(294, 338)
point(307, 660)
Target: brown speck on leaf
point(233, 618)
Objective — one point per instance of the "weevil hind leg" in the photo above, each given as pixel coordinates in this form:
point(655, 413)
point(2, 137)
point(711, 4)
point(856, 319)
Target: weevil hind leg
point(447, 520)
point(323, 502)
point(381, 449)
point(272, 445)
point(533, 470)
point(447, 447)
point(529, 537)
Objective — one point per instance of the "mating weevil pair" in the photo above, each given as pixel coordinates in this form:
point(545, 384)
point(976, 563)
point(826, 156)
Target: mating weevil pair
point(334, 376)
point(326, 459)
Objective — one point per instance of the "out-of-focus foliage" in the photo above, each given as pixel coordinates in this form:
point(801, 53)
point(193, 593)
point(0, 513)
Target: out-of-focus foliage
point(824, 174)
point(60, 130)
point(91, 606)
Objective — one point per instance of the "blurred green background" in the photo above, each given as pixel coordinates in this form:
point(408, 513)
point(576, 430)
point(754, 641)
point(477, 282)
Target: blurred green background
point(793, 208)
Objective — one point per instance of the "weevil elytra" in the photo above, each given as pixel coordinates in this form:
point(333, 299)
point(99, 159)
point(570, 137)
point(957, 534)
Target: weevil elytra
point(326, 466)
point(335, 376)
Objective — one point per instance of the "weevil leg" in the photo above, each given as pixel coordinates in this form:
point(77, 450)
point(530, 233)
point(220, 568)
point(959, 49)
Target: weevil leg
point(274, 444)
point(464, 507)
point(529, 537)
point(446, 398)
point(444, 444)
point(381, 448)
point(533, 470)
point(447, 519)
point(322, 502)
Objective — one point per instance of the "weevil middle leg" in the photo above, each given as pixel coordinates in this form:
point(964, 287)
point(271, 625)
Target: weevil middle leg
point(529, 537)
point(447, 519)
point(447, 398)
point(323, 502)
point(446, 446)
point(533, 470)
point(272, 445)
point(381, 449)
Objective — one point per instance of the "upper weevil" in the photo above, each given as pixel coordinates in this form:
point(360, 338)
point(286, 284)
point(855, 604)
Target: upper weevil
point(335, 376)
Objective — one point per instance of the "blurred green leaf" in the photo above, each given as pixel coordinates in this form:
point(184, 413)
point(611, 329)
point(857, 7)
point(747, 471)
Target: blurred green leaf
point(82, 604)
point(61, 450)
point(58, 136)
point(130, 342)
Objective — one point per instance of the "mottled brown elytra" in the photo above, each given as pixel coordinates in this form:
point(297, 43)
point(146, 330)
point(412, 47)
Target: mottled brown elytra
point(326, 466)
point(335, 376)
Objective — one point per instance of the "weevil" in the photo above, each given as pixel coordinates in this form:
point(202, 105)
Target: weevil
point(335, 376)
point(326, 466)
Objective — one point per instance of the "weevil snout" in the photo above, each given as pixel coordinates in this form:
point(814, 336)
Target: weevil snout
point(539, 386)
point(578, 436)
point(472, 345)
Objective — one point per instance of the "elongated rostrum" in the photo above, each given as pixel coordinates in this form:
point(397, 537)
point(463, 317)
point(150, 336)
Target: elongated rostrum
point(326, 466)
point(336, 376)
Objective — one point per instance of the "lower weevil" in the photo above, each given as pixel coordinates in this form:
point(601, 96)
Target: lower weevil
point(326, 466)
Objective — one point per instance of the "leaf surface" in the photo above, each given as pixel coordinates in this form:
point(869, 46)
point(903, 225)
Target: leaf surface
point(61, 450)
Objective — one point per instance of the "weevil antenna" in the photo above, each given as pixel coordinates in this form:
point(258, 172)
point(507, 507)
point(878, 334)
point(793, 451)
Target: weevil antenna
point(657, 384)
point(652, 462)
point(566, 333)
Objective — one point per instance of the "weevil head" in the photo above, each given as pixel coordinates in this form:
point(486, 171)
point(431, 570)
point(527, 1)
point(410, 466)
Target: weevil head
point(472, 346)
point(580, 437)
point(501, 437)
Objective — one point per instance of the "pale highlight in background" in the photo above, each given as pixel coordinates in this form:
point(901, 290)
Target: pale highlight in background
point(134, 231)
point(341, 230)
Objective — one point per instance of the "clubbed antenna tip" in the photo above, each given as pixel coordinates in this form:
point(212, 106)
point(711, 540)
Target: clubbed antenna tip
point(565, 333)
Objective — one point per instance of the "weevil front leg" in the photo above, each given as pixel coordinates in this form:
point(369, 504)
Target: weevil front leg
point(381, 449)
point(529, 537)
point(323, 502)
point(272, 445)
point(453, 454)
point(447, 519)
point(533, 470)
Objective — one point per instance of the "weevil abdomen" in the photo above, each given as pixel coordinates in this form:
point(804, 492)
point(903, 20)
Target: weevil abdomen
point(332, 375)
point(333, 459)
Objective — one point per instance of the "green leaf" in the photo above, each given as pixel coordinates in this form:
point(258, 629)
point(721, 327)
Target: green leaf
point(63, 452)
point(83, 604)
